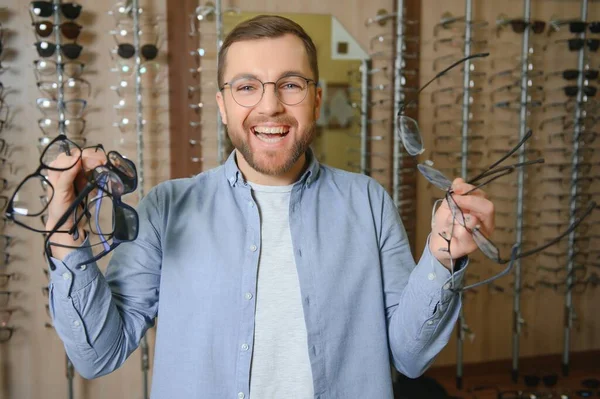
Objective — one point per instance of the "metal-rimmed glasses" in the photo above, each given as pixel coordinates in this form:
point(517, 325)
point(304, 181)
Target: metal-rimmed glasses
point(29, 207)
point(408, 128)
point(248, 91)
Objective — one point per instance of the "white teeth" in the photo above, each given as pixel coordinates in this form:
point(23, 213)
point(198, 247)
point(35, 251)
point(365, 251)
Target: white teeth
point(270, 129)
point(267, 139)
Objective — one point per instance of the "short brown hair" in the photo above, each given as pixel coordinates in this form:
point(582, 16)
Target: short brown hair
point(267, 26)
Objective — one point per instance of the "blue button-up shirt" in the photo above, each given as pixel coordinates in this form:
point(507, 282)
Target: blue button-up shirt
point(365, 302)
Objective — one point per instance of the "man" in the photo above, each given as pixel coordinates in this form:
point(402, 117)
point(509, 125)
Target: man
point(277, 276)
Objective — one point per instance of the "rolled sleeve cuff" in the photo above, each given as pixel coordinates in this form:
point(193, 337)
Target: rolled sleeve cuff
point(66, 278)
point(432, 270)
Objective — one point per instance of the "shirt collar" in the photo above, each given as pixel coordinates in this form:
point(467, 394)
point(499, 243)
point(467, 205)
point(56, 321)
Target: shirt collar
point(233, 173)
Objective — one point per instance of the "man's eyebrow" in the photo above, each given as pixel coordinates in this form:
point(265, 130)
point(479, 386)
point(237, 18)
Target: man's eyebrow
point(252, 76)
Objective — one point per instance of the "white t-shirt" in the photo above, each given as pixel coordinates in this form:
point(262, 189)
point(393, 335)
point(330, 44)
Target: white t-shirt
point(280, 364)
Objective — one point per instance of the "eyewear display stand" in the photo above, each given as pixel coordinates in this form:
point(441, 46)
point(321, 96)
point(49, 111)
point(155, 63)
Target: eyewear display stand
point(365, 67)
point(145, 364)
point(398, 99)
point(60, 103)
point(517, 323)
point(220, 128)
point(462, 326)
point(569, 311)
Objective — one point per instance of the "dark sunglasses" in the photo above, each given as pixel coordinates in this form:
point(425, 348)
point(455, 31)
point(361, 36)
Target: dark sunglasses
point(576, 44)
point(46, 9)
point(70, 30)
point(127, 50)
point(572, 74)
point(579, 26)
point(519, 25)
point(571, 91)
point(47, 49)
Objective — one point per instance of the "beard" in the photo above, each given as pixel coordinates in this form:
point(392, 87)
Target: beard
point(273, 162)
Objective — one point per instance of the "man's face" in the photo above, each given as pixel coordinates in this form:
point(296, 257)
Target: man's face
point(271, 137)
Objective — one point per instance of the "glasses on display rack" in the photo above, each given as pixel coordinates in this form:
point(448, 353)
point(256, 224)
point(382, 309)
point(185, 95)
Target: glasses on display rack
point(46, 9)
point(519, 25)
point(575, 26)
point(70, 30)
point(47, 49)
point(71, 86)
point(572, 74)
point(448, 22)
point(70, 69)
point(49, 107)
point(576, 44)
point(52, 127)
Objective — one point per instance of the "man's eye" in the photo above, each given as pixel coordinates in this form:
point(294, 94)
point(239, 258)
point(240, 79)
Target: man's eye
point(245, 88)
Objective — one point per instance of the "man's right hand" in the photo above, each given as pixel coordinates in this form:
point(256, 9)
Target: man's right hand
point(65, 183)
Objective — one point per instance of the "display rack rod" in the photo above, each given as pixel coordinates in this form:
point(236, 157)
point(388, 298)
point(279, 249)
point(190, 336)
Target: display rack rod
point(517, 318)
point(569, 311)
point(139, 112)
point(365, 67)
point(60, 98)
point(220, 126)
point(398, 99)
point(463, 166)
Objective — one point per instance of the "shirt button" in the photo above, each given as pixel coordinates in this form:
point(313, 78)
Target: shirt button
point(431, 276)
point(248, 296)
point(430, 322)
point(241, 395)
point(66, 276)
point(76, 323)
point(253, 248)
point(446, 286)
point(245, 347)
point(83, 267)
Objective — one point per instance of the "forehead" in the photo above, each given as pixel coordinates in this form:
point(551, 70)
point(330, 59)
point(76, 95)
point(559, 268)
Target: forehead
point(267, 58)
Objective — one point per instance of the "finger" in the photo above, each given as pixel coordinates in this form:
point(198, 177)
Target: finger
point(481, 208)
point(459, 186)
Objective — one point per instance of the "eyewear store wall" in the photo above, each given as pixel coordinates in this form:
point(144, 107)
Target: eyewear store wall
point(75, 72)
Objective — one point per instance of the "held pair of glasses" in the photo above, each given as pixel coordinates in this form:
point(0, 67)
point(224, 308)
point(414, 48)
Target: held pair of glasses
point(410, 136)
point(113, 221)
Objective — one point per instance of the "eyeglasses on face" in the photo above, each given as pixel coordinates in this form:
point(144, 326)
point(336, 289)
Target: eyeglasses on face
point(249, 91)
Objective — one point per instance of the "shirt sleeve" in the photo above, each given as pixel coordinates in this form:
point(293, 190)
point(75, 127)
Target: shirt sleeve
point(99, 318)
point(420, 306)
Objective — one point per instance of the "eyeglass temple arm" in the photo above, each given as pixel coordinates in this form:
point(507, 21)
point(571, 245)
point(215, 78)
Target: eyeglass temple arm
point(592, 205)
point(508, 154)
point(513, 257)
point(502, 171)
point(439, 75)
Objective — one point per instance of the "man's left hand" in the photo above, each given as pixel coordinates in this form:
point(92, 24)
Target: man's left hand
point(478, 211)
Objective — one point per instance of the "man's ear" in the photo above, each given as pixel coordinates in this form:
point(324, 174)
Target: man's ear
point(221, 104)
point(318, 100)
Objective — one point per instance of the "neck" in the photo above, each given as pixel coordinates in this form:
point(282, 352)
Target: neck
point(254, 176)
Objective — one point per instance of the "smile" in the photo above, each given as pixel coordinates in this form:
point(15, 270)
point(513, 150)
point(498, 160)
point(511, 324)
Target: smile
point(270, 134)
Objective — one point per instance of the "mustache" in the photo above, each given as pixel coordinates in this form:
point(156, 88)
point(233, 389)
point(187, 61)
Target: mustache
point(281, 120)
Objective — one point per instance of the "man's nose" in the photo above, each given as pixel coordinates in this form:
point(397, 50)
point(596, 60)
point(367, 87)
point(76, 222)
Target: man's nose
point(269, 104)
